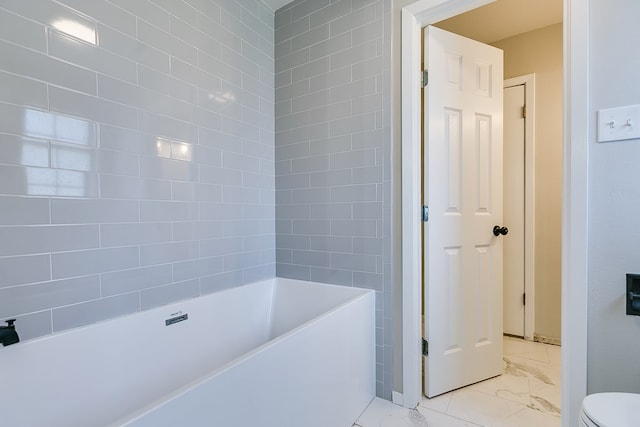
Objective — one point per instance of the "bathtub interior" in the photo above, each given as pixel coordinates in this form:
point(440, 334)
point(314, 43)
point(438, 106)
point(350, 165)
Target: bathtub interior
point(292, 375)
point(295, 303)
point(100, 373)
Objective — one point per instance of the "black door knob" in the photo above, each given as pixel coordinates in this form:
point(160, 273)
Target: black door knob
point(497, 230)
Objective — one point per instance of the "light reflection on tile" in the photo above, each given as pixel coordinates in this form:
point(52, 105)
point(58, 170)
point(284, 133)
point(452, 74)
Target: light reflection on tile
point(79, 30)
point(527, 394)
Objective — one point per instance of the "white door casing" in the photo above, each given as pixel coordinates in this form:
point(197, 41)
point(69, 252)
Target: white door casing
point(463, 189)
point(514, 214)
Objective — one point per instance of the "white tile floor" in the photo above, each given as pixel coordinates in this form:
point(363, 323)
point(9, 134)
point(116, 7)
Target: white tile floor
point(527, 394)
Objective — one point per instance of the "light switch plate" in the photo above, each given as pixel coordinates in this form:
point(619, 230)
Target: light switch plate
point(616, 124)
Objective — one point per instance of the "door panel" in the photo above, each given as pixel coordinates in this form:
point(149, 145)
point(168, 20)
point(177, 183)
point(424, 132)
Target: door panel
point(463, 189)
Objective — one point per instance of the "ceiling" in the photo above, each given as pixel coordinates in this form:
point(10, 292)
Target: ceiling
point(496, 21)
point(504, 18)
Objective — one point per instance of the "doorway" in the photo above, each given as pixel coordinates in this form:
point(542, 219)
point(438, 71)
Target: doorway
point(548, 61)
point(536, 51)
point(425, 12)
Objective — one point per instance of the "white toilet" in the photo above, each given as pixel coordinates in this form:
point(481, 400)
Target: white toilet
point(610, 410)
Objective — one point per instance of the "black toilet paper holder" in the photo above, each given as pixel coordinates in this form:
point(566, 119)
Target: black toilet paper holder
point(633, 294)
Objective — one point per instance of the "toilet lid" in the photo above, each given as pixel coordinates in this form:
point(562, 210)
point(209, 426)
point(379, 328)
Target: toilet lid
point(612, 409)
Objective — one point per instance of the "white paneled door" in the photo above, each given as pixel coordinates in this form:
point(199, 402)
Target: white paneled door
point(463, 190)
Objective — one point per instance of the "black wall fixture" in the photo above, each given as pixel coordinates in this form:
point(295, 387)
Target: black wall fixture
point(633, 294)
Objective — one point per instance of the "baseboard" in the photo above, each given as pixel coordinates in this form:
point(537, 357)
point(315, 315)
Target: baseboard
point(546, 340)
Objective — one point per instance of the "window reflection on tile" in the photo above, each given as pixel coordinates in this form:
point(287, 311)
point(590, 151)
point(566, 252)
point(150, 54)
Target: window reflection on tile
point(163, 147)
point(52, 182)
point(31, 152)
point(181, 151)
point(61, 128)
point(66, 156)
point(172, 149)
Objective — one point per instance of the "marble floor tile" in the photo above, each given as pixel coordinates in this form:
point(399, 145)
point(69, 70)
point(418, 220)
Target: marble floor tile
point(528, 417)
point(438, 403)
point(508, 387)
point(527, 394)
point(438, 419)
point(382, 413)
point(546, 398)
point(554, 351)
point(481, 408)
point(532, 369)
point(526, 349)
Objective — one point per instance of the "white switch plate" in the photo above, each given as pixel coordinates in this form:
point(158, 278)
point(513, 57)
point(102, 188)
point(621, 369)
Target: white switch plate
point(616, 124)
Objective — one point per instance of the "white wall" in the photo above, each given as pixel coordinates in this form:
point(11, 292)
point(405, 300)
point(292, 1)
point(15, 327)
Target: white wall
point(614, 201)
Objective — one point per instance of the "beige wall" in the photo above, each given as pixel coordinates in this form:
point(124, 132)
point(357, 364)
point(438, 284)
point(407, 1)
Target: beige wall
point(540, 52)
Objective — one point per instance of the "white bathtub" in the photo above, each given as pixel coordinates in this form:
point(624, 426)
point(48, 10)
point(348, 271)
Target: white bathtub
point(279, 353)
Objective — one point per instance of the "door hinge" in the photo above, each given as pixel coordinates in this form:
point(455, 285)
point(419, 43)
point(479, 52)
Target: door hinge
point(425, 347)
point(524, 299)
point(425, 78)
point(425, 213)
point(524, 111)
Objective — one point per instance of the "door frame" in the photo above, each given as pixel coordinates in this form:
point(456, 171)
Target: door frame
point(529, 82)
point(576, 135)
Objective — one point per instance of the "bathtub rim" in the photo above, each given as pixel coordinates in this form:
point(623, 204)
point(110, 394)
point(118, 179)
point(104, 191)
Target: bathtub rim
point(274, 281)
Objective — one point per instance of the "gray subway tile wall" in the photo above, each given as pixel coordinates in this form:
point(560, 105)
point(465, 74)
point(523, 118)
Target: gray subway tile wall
point(136, 155)
point(139, 163)
point(333, 154)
